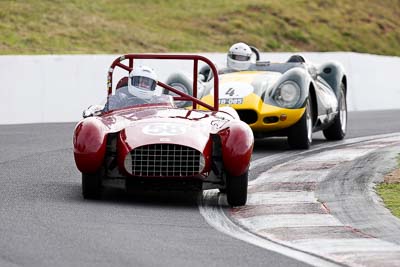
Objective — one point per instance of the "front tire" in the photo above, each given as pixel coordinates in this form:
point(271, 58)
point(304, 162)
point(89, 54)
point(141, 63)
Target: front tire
point(91, 186)
point(300, 134)
point(236, 189)
point(337, 130)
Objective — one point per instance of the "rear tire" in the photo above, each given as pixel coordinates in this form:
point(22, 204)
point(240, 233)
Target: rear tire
point(236, 189)
point(300, 134)
point(337, 130)
point(91, 186)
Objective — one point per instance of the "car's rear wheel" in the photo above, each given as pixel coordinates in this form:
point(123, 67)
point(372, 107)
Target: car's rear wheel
point(337, 130)
point(300, 134)
point(91, 186)
point(236, 189)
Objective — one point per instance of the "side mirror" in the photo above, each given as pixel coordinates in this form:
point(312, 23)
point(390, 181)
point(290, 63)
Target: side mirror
point(93, 110)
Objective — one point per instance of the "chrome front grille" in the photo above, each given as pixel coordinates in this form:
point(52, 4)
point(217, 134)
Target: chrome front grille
point(160, 160)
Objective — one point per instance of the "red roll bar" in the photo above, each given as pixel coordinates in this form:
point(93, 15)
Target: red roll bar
point(182, 96)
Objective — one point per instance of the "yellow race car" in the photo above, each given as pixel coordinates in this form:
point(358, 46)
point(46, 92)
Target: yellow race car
point(292, 99)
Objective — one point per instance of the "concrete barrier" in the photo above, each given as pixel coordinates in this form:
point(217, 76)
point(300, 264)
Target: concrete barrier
point(56, 88)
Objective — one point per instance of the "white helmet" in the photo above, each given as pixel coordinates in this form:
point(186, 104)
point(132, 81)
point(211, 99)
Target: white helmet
point(142, 82)
point(239, 57)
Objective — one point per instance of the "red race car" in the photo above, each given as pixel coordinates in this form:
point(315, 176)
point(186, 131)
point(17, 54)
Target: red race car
point(154, 144)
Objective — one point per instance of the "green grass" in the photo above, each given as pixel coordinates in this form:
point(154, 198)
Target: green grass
point(390, 193)
point(122, 26)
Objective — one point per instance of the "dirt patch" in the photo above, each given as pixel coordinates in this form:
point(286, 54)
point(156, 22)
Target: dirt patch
point(393, 177)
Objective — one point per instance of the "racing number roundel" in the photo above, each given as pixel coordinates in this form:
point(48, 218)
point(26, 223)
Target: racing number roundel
point(164, 129)
point(235, 90)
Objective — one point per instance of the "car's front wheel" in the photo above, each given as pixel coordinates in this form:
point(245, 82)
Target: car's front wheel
point(300, 134)
point(91, 186)
point(236, 189)
point(337, 130)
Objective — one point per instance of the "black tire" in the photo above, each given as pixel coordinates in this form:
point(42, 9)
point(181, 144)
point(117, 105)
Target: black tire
point(183, 84)
point(236, 189)
point(91, 186)
point(300, 134)
point(337, 130)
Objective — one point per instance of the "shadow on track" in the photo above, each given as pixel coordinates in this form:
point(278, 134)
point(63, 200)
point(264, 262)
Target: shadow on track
point(151, 198)
point(279, 144)
point(72, 192)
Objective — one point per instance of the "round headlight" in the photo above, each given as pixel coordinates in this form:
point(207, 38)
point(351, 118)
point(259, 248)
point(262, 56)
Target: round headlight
point(288, 94)
point(128, 162)
point(202, 162)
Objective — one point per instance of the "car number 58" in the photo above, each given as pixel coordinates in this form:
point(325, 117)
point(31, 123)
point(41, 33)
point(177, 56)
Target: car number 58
point(164, 129)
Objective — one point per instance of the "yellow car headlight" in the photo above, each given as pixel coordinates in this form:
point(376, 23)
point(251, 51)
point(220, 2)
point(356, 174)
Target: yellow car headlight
point(287, 94)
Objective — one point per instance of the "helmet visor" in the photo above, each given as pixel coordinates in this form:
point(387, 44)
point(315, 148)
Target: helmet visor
point(239, 57)
point(144, 83)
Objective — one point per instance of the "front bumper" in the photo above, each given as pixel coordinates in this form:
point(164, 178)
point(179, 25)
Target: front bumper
point(266, 118)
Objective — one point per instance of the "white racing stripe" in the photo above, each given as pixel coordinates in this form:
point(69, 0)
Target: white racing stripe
point(300, 172)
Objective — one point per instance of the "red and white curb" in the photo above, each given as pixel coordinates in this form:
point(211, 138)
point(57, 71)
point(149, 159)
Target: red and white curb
point(283, 214)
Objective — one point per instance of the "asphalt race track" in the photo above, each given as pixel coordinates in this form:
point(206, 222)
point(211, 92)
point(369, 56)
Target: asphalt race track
point(45, 222)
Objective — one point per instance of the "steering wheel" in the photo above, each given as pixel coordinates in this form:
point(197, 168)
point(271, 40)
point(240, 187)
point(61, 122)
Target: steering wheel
point(207, 73)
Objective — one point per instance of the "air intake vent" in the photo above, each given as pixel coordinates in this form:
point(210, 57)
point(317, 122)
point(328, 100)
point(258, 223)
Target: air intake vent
point(272, 119)
point(164, 160)
point(249, 116)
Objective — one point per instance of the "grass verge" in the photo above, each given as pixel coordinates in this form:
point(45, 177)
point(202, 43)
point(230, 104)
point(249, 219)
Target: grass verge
point(389, 191)
point(124, 26)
